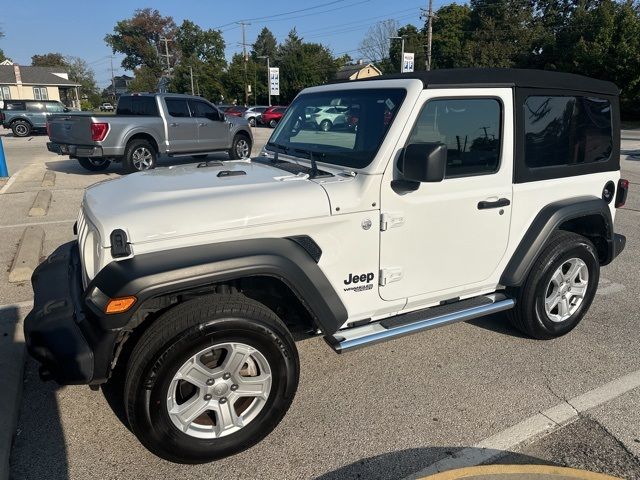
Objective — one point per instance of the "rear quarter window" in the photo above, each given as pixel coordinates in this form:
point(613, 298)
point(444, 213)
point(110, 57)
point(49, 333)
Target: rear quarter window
point(566, 131)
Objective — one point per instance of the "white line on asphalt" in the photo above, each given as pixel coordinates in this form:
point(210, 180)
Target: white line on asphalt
point(12, 179)
point(52, 222)
point(537, 425)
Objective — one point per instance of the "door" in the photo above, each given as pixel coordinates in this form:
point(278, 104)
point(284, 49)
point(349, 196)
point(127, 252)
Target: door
point(449, 237)
point(36, 114)
point(182, 129)
point(213, 130)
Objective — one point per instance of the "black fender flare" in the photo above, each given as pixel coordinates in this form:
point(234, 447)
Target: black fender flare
point(155, 274)
point(548, 220)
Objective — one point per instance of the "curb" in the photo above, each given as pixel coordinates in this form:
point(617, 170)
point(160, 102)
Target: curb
point(529, 472)
point(28, 256)
point(12, 179)
point(41, 204)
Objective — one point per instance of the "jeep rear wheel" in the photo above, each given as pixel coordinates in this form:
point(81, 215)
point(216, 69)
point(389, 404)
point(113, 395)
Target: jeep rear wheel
point(559, 288)
point(211, 377)
point(20, 128)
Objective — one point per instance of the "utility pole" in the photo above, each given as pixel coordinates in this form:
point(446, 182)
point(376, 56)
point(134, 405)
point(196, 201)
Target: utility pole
point(268, 77)
point(193, 92)
point(166, 54)
point(430, 16)
point(246, 59)
point(113, 79)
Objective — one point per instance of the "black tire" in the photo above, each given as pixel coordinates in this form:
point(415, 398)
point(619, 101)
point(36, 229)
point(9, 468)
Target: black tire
point(143, 147)
point(200, 157)
point(94, 164)
point(21, 128)
point(240, 142)
point(529, 314)
point(273, 123)
point(252, 122)
point(183, 332)
point(325, 125)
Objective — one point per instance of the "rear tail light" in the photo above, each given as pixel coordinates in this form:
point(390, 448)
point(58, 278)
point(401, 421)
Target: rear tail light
point(623, 190)
point(99, 131)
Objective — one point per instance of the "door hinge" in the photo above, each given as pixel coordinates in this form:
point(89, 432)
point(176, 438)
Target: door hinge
point(390, 220)
point(390, 275)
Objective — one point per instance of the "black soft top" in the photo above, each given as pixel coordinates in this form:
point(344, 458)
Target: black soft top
point(506, 77)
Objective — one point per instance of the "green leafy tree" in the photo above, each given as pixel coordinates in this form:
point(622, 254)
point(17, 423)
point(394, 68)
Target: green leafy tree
point(202, 51)
point(49, 60)
point(450, 45)
point(265, 45)
point(139, 39)
point(414, 42)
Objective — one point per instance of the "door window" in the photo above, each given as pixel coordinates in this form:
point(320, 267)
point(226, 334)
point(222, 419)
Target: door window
point(204, 110)
point(35, 107)
point(469, 127)
point(54, 107)
point(178, 107)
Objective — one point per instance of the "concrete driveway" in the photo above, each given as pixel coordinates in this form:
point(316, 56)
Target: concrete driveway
point(388, 411)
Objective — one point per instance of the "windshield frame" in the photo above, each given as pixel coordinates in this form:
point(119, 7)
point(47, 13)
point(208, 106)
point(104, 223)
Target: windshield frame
point(329, 156)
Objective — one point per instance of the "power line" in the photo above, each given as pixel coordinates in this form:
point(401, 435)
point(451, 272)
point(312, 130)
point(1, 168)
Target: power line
point(364, 20)
point(282, 14)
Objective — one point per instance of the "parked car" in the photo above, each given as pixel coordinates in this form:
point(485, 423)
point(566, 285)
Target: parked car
point(272, 115)
point(24, 117)
point(236, 111)
point(462, 193)
point(325, 118)
point(106, 107)
point(253, 114)
point(148, 125)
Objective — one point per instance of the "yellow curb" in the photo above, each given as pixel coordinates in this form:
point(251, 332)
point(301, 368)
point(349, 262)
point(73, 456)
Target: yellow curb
point(514, 471)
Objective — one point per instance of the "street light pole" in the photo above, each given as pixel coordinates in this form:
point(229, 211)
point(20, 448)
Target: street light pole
point(268, 77)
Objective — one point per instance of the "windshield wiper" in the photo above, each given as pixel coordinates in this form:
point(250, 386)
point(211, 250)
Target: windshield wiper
point(314, 164)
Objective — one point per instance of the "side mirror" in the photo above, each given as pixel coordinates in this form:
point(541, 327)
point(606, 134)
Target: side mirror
point(66, 110)
point(424, 162)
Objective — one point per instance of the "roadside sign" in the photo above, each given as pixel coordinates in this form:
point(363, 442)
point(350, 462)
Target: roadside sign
point(407, 62)
point(274, 80)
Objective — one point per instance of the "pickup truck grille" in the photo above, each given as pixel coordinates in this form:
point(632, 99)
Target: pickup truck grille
point(89, 244)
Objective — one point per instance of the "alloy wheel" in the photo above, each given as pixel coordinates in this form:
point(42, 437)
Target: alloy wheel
point(566, 290)
point(142, 158)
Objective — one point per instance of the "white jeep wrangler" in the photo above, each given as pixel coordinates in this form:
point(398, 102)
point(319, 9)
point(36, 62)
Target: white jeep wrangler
point(460, 194)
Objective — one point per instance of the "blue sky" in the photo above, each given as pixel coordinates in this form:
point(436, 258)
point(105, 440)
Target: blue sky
point(78, 27)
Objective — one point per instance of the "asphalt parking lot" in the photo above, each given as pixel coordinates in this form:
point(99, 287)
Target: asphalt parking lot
point(388, 411)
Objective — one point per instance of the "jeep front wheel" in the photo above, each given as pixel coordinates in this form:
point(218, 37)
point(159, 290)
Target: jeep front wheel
point(210, 378)
point(559, 288)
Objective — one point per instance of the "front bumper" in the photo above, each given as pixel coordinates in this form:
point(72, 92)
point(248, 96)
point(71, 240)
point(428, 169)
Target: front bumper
point(60, 332)
point(75, 150)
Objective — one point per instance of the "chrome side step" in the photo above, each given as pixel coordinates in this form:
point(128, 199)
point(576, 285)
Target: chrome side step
point(413, 322)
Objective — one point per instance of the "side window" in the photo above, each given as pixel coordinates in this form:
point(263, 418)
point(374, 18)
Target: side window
point(178, 107)
point(563, 131)
point(35, 107)
point(204, 110)
point(469, 127)
point(54, 107)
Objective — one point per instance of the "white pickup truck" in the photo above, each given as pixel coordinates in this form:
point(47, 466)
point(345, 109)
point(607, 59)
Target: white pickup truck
point(146, 126)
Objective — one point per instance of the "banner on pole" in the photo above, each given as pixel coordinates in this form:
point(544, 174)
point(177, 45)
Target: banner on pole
point(407, 62)
point(274, 80)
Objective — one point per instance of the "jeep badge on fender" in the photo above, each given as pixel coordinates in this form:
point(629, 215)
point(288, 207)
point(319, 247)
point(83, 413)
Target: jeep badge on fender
point(226, 265)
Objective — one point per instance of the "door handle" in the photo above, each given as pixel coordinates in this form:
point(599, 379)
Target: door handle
point(174, 124)
point(485, 204)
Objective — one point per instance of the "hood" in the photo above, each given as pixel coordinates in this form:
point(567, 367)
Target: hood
point(186, 200)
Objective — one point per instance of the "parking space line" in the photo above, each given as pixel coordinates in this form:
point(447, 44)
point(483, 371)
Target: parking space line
point(30, 224)
point(537, 425)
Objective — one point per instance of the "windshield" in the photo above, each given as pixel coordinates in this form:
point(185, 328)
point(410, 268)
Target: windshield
point(344, 128)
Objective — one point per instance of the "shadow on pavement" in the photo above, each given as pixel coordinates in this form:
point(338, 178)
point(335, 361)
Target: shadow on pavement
point(632, 154)
point(403, 463)
point(39, 449)
point(498, 323)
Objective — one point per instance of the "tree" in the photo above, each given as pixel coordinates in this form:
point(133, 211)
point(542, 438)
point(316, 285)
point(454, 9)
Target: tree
point(265, 45)
point(414, 42)
point(375, 45)
point(49, 60)
point(303, 65)
point(202, 51)
point(140, 39)
point(450, 45)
